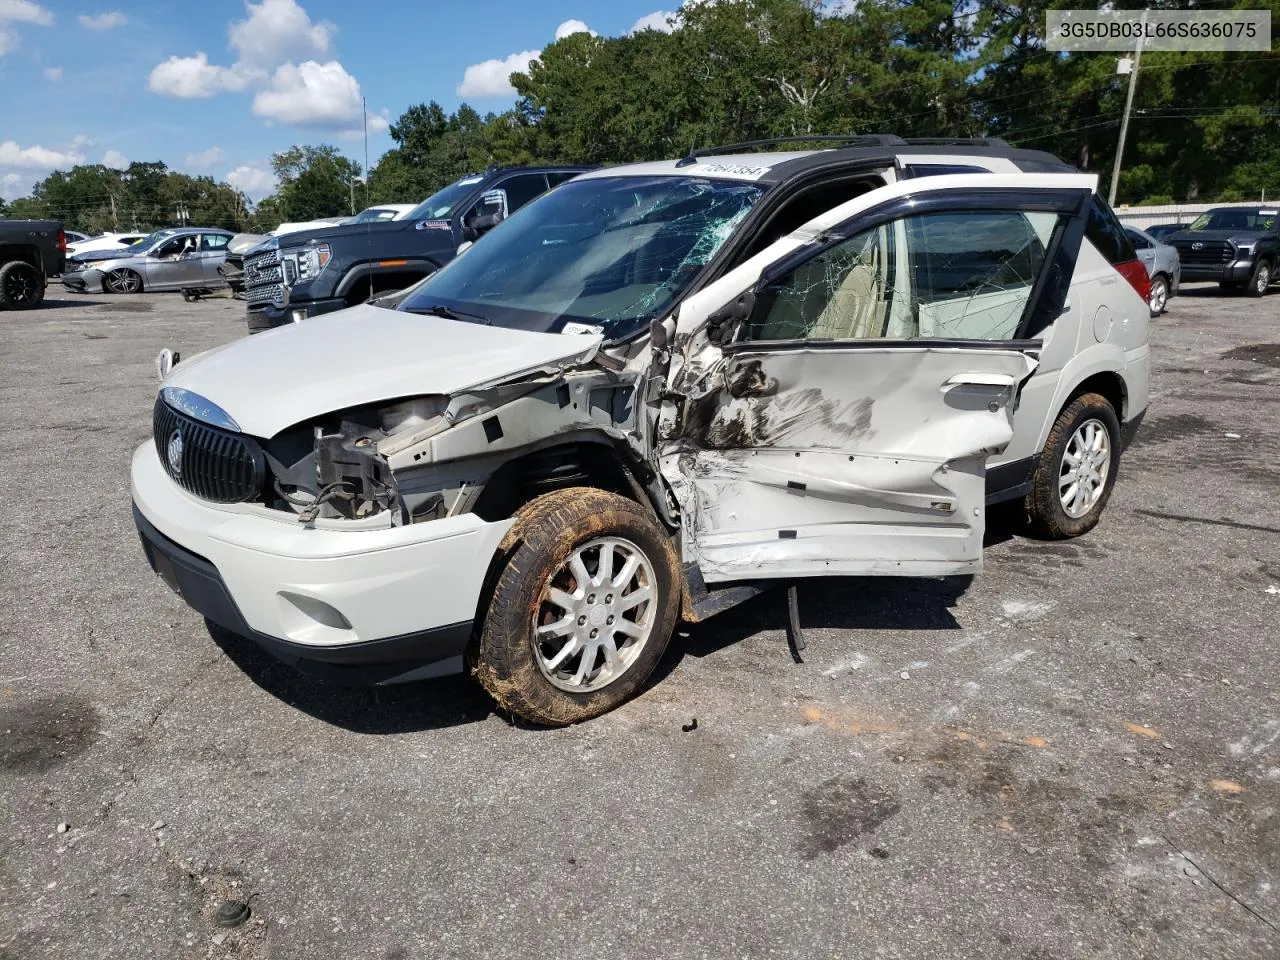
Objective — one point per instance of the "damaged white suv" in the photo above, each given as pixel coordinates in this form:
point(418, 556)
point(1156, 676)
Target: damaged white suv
point(647, 395)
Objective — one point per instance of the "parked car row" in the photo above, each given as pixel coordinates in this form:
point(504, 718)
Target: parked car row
point(654, 391)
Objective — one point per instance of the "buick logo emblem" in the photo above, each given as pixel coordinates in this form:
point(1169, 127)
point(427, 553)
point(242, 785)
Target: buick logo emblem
point(1197, 246)
point(174, 452)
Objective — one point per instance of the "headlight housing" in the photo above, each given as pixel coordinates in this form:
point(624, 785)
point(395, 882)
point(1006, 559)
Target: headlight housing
point(308, 262)
point(1245, 247)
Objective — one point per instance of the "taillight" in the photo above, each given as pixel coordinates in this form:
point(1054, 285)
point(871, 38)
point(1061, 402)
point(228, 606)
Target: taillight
point(62, 241)
point(1136, 274)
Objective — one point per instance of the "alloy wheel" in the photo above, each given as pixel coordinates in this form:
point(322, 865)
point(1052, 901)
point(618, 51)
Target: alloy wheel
point(1263, 278)
point(1086, 464)
point(1159, 297)
point(123, 281)
point(596, 615)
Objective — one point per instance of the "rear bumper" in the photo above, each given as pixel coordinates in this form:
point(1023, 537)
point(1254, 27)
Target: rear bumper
point(1222, 272)
point(268, 315)
point(359, 607)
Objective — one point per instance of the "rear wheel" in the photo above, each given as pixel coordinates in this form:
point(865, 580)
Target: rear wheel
point(122, 281)
point(21, 286)
point(581, 609)
point(1159, 298)
point(1077, 469)
point(1260, 280)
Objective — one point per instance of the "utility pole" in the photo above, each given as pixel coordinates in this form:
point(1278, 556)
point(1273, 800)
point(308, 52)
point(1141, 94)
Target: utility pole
point(115, 224)
point(1128, 105)
point(351, 185)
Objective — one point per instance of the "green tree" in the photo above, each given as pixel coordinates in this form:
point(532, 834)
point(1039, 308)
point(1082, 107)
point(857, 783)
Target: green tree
point(315, 181)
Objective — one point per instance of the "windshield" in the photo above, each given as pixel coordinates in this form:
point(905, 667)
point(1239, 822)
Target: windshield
point(151, 239)
point(442, 202)
point(374, 215)
point(610, 252)
point(1237, 218)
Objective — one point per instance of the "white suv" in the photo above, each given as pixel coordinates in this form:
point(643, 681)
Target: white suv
point(647, 395)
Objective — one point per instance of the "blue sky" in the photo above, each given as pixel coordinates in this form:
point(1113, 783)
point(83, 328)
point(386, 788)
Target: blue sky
point(217, 86)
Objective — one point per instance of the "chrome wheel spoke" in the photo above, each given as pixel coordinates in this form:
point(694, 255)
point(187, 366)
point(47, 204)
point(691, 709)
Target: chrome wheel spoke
point(1086, 465)
point(586, 637)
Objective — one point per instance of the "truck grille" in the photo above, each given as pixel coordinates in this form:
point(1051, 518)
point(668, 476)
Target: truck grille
point(264, 278)
point(213, 464)
point(1205, 251)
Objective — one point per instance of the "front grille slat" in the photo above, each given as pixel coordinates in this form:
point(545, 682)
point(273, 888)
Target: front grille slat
point(264, 278)
point(214, 464)
point(1208, 252)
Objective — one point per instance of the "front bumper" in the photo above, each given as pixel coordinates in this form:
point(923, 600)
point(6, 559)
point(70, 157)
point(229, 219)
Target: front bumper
point(1236, 270)
point(86, 281)
point(361, 607)
point(266, 316)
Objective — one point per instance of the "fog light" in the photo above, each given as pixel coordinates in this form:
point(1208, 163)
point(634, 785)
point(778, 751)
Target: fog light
point(299, 316)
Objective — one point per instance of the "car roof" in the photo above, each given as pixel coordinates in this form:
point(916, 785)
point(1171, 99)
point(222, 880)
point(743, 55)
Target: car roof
point(771, 167)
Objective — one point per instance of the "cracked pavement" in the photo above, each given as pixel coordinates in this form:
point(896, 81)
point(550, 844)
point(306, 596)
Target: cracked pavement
point(1077, 754)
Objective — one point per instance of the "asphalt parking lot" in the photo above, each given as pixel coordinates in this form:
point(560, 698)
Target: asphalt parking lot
point(1077, 754)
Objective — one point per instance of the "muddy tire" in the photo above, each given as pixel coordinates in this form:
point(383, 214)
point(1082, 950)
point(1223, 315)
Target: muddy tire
point(1077, 470)
point(582, 604)
point(21, 286)
point(1260, 279)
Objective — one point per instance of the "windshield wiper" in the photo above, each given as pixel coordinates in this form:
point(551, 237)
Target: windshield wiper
point(448, 313)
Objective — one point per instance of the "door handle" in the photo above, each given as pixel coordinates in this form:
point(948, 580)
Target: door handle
point(980, 380)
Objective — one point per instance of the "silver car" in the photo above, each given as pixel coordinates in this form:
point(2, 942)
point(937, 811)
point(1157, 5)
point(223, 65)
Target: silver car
point(1163, 267)
point(188, 258)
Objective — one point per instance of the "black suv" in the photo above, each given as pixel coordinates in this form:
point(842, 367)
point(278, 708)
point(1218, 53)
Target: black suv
point(302, 274)
point(1237, 246)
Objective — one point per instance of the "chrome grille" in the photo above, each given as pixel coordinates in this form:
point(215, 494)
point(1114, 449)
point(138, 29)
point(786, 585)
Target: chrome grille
point(213, 464)
point(1205, 251)
point(264, 278)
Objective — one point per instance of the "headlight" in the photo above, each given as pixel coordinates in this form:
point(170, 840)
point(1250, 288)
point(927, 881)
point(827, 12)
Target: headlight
point(411, 414)
point(309, 261)
point(1244, 247)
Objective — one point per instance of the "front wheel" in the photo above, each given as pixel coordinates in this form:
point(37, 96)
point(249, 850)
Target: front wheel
point(1077, 469)
point(581, 609)
point(1260, 280)
point(122, 281)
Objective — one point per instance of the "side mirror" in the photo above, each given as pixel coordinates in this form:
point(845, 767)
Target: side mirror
point(724, 323)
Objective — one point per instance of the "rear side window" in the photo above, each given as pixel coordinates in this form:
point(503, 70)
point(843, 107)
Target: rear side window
point(940, 169)
point(522, 189)
point(1106, 234)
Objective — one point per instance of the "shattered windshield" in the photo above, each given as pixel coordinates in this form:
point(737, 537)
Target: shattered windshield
point(442, 202)
point(609, 252)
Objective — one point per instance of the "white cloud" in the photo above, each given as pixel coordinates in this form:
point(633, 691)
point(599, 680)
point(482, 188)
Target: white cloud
point(13, 185)
point(570, 27)
point(490, 79)
point(115, 159)
point(53, 73)
point(252, 180)
point(25, 11)
point(278, 31)
point(205, 159)
point(37, 157)
point(104, 21)
point(658, 20)
point(311, 94)
point(191, 78)
point(19, 11)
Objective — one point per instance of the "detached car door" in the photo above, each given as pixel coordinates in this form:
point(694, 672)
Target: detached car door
point(836, 416)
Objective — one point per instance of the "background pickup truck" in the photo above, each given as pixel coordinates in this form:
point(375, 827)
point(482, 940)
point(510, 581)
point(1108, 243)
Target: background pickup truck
point(1237, 246)
point(289, 278)
point(30, 252)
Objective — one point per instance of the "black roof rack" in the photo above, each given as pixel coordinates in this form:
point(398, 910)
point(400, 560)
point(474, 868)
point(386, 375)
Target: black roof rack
point(851, 140)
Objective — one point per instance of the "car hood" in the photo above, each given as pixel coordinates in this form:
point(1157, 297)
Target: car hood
point(298, 238)
point(1236, 236)
point(96, 256)
point(366, 354)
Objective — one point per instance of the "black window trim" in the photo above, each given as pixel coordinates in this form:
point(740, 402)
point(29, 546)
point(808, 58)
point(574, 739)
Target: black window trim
point(1044, 305)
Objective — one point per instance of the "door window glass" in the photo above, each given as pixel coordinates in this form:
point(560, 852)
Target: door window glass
point(214, 241)
point(965, 276)
point(1138, 240)
point(522, 189)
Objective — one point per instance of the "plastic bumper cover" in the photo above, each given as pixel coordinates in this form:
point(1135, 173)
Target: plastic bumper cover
point(357, 606)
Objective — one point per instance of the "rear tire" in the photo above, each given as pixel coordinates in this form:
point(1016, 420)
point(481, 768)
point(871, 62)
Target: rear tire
point(1260, 280)
point(1087, 432)
point(1158, 301)
point(21, 286)
point(575, 563)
